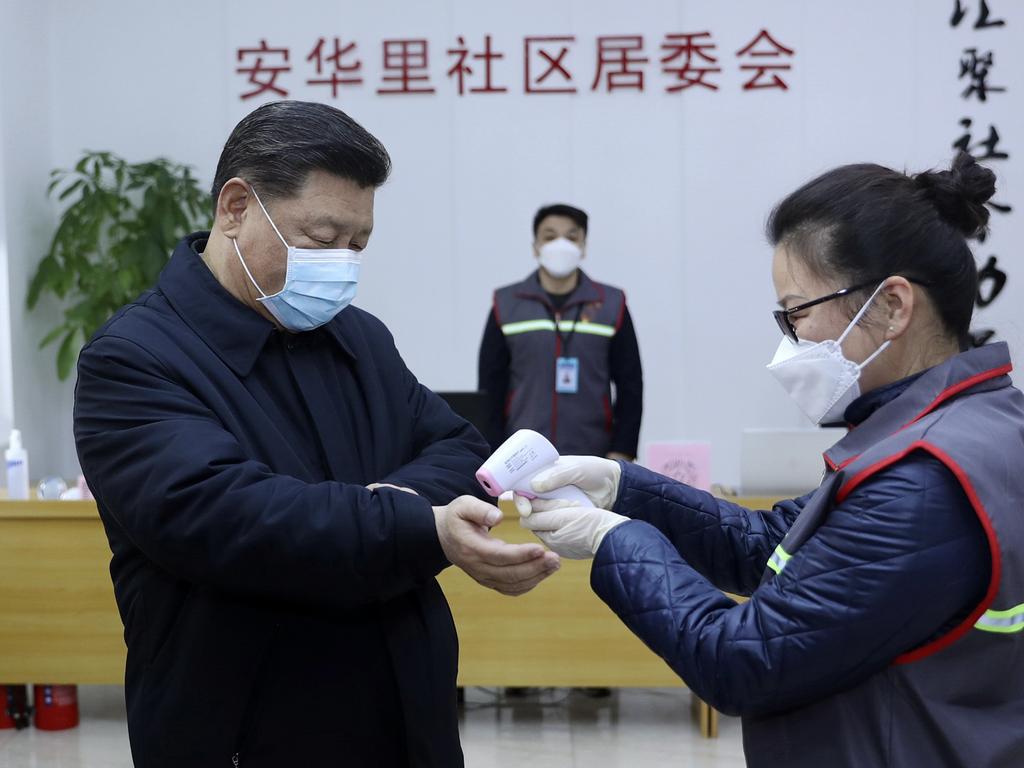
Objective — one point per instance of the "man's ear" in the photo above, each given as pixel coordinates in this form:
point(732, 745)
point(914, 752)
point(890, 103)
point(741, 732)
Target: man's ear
point(232, 204)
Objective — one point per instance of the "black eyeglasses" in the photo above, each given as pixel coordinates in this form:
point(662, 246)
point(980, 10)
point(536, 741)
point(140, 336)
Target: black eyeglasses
point(786, 325)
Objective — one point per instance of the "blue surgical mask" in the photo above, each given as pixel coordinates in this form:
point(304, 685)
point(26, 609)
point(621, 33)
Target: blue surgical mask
point(318, 283)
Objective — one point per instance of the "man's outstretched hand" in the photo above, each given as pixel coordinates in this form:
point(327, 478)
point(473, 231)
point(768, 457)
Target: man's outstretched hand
point(463, 527)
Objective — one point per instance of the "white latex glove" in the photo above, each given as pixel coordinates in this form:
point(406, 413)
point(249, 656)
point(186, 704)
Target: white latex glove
point(378, 486)
point(571, 531)
point(598, 478)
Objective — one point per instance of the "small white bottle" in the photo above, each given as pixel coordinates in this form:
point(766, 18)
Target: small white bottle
point(17, 467)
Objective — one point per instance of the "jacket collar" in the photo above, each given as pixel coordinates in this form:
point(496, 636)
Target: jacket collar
point(586, 291)
point(860, 409)
point(235, 333)
point(977, 370)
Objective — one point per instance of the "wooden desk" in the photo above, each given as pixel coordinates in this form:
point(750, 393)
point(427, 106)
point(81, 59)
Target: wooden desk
point(58, 619)
point(59, 622)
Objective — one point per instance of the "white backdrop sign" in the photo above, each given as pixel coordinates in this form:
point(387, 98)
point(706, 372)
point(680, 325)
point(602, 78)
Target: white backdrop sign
point(676, 125)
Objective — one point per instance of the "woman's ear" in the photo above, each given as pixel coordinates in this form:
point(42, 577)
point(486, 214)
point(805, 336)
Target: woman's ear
point(232, 203)
point(897, 297)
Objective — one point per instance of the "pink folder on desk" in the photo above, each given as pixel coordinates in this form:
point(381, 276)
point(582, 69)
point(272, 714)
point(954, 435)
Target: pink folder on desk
point(687, 462)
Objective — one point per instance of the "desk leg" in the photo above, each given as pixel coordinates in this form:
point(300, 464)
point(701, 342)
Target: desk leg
point(704, 716)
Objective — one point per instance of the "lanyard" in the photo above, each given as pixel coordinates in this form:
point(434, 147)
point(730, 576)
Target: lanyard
point(558, 331)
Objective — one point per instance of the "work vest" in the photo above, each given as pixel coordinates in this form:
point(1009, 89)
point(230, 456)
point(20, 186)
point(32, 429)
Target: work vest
point(579, 423)
point(957, 700)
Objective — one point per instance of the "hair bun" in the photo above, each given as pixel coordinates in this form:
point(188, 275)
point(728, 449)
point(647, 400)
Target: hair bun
point(960, 193)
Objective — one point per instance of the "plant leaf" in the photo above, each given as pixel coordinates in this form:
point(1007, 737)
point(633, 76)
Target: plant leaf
point(71, 189)
point(43, 278)
point(112, 239)
point(52, 336)
point(66, 354)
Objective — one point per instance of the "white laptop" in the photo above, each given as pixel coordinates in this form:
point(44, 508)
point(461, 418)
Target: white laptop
point(784, 461)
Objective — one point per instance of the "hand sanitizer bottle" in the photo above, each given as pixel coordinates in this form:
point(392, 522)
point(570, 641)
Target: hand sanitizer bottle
point(17, 467)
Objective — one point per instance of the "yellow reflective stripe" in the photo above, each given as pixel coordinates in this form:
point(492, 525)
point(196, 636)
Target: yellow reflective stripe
point(510, 329)
point(566, 326)
point(1010, 620)
point(593, 328)
point(779, 559)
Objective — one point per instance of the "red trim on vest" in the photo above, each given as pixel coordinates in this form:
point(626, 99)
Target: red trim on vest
point(836, 467)
point(497, 314)
point(852, 459)
point(526, 292)
point(554, 391)
point(956, 389)
point(864, 474)
point(993, 543)
point(541, 297)
point(598, 288)
point(942, 397)
point(622, 315)
point(540, 300)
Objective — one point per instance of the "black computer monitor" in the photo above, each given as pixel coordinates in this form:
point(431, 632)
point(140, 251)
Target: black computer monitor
point(472, 406)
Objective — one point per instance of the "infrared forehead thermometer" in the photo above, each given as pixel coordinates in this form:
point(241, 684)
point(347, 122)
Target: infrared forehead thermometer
point(519, 459)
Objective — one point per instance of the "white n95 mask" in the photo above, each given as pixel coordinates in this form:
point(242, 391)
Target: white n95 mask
point(819, 378)
point(560, 257)
point(318, 283)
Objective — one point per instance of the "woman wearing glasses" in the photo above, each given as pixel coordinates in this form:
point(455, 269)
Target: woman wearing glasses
point(884, 626)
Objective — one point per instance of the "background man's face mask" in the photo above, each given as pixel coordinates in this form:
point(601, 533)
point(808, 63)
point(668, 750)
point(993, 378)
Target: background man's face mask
point(318, 283)
point(817, 375)
point(560, 257)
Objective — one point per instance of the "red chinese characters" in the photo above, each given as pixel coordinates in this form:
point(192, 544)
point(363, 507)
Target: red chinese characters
point(767, 57)
point(406, 65)
point(461, 69)
point(686, 58)
point(687, 61)
point(545, 69)
point(620, 63)
point(265, 65)
point(340, 72)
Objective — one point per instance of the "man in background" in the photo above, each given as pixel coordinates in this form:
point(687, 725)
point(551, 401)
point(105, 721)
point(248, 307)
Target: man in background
point(559, 353)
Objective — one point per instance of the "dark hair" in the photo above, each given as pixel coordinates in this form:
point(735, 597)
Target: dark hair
point(860, 223)
point(561, 209)
point(276, 145)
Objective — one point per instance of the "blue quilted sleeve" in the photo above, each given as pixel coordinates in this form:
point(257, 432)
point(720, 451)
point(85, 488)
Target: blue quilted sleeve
point(726, 543)
point(874, 581)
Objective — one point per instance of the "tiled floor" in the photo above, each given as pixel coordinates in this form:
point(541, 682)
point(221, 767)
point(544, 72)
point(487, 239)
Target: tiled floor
point(638, 728)
point(554, 727)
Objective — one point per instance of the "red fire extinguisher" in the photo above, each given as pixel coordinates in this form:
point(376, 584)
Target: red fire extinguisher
point(14, 706)
point(56, 707)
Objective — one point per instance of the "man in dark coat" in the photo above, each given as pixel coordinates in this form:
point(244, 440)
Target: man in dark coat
point(278, 490)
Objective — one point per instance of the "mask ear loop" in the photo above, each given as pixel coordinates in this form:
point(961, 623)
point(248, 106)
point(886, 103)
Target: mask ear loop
point(873, 355)
point(247, 272)
point(276, 231)
point(853, 324)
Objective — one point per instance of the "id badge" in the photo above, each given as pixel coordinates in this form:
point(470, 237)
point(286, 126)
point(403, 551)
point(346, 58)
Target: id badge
point(567, 375)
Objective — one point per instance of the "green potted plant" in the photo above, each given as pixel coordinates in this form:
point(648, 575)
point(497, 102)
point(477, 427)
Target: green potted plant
point(117, 232)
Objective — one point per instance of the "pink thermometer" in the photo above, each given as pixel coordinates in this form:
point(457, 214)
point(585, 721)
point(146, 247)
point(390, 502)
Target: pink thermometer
point(519, 459)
